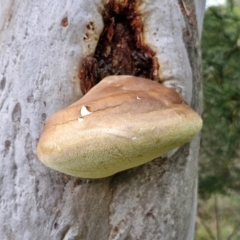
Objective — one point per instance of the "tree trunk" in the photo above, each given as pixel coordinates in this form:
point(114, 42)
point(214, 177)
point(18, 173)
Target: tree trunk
point(42, 44)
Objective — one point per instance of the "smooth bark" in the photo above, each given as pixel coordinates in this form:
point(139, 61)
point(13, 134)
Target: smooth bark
point(42, 44)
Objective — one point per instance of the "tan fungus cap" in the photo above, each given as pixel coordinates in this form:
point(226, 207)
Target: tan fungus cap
point(121, 123)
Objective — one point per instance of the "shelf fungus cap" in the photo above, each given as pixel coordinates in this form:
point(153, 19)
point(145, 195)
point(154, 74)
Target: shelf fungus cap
point(121, 123)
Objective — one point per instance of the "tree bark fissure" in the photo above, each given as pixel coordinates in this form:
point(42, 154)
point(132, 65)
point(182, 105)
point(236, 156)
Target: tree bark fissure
point(121, 49)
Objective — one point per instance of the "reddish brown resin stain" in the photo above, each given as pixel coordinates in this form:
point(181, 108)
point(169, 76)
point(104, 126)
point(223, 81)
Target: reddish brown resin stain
point(121, 49)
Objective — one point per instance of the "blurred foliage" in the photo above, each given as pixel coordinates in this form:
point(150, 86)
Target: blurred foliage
point(220, 153)
point(217, 218)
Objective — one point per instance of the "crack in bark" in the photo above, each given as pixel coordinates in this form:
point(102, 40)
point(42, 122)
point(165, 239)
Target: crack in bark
point(121, 49)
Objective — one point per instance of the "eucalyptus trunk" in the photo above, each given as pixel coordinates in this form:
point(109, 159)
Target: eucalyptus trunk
point(42, 47)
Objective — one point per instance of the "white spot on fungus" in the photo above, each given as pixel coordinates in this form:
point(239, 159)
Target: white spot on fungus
point(80, 119)
point(84, 112)
point(138, 98)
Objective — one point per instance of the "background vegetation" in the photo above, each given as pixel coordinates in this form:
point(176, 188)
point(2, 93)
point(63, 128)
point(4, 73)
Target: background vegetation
point(219, 168)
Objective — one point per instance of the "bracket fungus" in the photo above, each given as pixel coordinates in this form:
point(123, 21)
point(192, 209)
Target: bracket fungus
point(121, 123)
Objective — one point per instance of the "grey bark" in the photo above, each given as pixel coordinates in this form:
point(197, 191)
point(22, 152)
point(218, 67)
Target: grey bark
point(40, 56)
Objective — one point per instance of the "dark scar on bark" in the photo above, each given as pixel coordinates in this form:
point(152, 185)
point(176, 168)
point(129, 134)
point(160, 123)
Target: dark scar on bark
point(121, 49)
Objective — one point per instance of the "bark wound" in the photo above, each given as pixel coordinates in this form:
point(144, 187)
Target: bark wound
point(64, 21)
point(121, 49)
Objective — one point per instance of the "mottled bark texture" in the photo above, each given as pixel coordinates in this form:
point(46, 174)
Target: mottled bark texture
point(42, 46)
